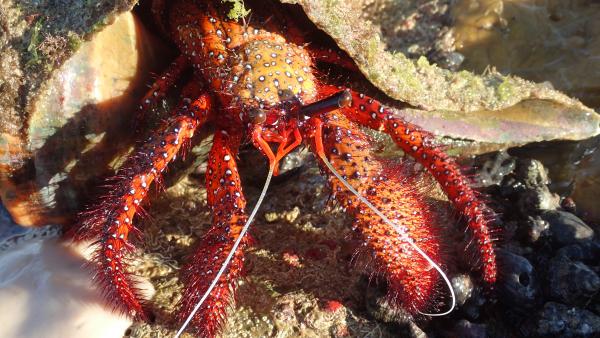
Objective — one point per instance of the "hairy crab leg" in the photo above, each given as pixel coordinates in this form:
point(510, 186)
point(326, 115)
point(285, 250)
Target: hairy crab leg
point(420, 145)
point(387, 186)
point(161, 86)
point(110, 222)
point(227, 202)
point(332, 56)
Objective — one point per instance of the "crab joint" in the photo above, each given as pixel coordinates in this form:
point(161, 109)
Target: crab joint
point(339, 100)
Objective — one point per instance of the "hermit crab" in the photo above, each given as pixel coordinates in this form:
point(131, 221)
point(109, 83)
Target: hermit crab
point(255, 82)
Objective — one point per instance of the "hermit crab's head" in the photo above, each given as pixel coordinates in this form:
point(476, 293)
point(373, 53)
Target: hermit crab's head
point(270, 81)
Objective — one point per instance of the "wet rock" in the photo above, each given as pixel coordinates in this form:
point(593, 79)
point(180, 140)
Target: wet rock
point(472, 307)
point(494, 169)
point(586, 185)
point(466, 329)
point(572, 282)
point(379, 307)
point(538, 199)
point(536, 227)
point(536, 195)
point(463, 288)
point(559, 320)
point(518, 286)
point(586, 251)
point(528, 186)
point(532, 173)
point(506, 34)
point(254, 166)
point(567, 228)
point(384, 312)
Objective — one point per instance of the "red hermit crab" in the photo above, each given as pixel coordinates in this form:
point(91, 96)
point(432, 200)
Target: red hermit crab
point(257, 84)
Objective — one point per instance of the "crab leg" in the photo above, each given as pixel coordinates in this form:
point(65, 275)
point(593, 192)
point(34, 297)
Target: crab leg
point(333, 57)
point(159, 89)
point(225, 199)
point(421, 146)
point(110, 222)
point(412, 281)
point(163, 83)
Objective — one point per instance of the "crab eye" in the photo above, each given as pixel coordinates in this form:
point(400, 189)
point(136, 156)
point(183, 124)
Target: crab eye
point(257, 115)
point(345, 100)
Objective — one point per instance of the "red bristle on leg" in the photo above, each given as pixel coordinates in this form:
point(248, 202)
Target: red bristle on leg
point(412, 281)
point(161, 86)
point(110, 222)
point(227, 203)
point(332, 56)
point(421, 146)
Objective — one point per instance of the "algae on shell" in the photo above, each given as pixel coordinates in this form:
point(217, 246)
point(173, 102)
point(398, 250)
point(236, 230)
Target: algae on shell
point(446, 95)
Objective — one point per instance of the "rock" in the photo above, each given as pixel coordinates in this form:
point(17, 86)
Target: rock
point(567, 228)
point(517, 285)
point(536, 227)
point(572, 282)
point(491, 111)
point(532, 173)
point(506, 35)
point(528, 186)
point(536, 196)
point(586, 185)
point(466, 329)
point(463, 288)
point(494, 169)
point(586, 251)
point(378, 306)
point(559, 320)
point(472, 308)
point(538, 199)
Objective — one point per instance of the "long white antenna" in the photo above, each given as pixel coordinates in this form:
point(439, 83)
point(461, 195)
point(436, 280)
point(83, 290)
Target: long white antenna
point(400, 232)
point(231, 253)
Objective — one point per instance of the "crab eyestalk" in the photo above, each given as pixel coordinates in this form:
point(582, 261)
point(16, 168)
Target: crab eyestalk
point(340, 100)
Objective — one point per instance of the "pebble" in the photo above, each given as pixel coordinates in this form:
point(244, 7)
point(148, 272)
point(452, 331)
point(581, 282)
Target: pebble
point(378, 306)
point(535, 228)
point(463, 288)
point(559, 320)
point(586, 251)
point(532, 173)
point(572, 282)
point(466, 329)
point(528, 186)
point(518, 285)
point(567, 228)
point(494, 169)
point(538, 199)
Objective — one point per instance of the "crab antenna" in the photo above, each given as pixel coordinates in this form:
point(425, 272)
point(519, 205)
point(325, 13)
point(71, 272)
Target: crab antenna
point(231, 252)
point(335, 101)
point(402, 234)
